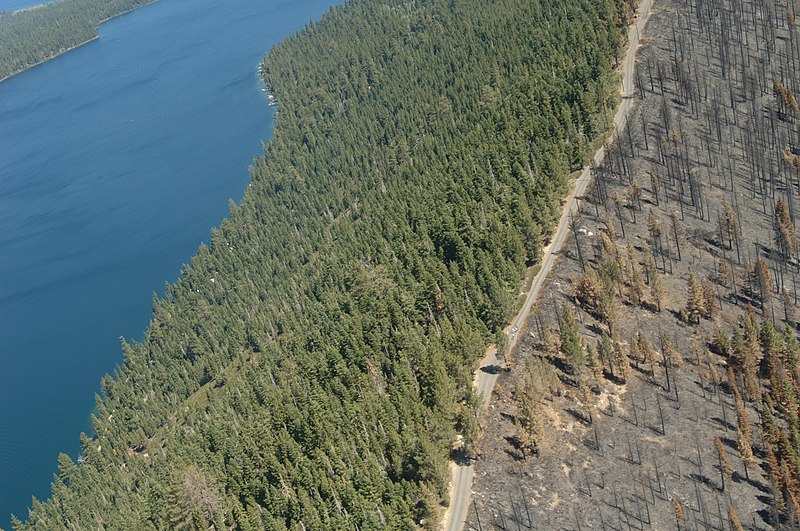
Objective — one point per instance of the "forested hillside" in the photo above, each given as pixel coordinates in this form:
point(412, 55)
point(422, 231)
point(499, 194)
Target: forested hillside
point(31, 36)
point(311, 367)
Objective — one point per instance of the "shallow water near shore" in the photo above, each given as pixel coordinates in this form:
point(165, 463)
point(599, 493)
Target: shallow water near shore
point(115, 161)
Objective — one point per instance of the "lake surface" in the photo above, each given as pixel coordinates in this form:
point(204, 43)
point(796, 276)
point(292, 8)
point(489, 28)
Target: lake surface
point(13, 5)
point(115, 161)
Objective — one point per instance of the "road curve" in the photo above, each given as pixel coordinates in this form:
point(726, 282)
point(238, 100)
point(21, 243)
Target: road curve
point(462, 474)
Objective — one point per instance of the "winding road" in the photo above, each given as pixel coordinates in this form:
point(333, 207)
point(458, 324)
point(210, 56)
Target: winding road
point(485, 378)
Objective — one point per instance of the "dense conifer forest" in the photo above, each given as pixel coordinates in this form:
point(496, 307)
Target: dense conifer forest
point(30, 36)
point(311, 367)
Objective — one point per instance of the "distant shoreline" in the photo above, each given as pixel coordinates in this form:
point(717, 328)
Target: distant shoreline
point(29, 8)
point(62, 52)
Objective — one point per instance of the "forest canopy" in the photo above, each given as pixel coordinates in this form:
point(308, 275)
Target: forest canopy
point(311, 366)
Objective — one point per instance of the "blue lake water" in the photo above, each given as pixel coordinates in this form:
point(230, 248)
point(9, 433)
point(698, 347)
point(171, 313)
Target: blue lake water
point(115, 161)
point(13, 5)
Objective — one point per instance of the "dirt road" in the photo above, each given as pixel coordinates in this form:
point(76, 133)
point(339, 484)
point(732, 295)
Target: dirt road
point(486, 376)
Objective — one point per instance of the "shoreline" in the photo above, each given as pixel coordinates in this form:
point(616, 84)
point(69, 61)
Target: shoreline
point(73, 47)
point(462, 475)
point(30, 8)
point(43, 61)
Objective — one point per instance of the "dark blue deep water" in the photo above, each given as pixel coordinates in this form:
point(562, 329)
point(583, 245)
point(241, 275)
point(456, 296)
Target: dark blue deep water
point(115, 161)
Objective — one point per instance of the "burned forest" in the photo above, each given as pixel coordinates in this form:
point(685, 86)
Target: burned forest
point(658, 382)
